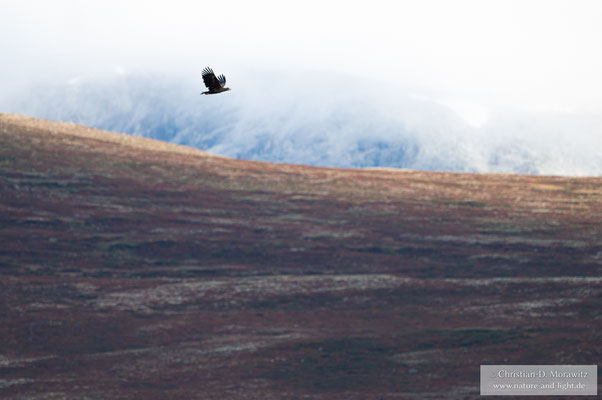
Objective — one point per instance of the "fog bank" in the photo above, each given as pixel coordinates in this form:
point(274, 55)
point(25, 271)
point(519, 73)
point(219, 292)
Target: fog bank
point(322, 118)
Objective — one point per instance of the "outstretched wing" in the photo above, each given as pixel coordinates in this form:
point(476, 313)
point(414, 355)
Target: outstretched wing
point(211, 81)
point(222, 80)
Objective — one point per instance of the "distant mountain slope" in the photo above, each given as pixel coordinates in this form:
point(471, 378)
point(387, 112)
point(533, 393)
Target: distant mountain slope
point(321, 119)
point(134, 268)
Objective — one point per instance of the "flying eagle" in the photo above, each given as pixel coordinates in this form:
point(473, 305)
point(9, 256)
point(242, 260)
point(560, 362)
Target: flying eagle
point(215, 84)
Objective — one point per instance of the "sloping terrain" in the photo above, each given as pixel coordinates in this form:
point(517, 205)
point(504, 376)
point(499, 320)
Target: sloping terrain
point(132, 268)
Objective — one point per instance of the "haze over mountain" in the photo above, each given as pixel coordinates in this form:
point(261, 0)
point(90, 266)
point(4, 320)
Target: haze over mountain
point(325, 119)
point(497, 86)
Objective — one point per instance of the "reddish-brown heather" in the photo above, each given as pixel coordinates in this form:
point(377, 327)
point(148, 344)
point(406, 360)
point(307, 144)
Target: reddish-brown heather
point(136, 269)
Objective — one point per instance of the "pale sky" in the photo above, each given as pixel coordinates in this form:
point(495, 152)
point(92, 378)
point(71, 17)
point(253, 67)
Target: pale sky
point(471, 55)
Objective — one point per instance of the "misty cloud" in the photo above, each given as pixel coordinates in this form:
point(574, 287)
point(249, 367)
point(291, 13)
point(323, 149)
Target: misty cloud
point(322, 119)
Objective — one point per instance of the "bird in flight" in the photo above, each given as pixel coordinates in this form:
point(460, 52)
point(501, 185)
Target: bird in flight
point(215, 84)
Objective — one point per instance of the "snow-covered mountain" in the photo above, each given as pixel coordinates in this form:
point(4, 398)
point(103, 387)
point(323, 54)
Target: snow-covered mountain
point(321, 119)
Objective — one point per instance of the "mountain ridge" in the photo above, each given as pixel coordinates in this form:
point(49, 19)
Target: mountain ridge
point(81, 130)
point(339, 121)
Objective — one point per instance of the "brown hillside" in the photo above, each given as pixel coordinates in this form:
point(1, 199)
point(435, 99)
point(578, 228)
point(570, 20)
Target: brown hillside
point(136, 269)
